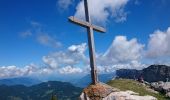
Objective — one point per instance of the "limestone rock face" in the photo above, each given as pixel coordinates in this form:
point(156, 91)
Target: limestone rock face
point(162, 87)
point(104, 92)
point(153, 73)
point(156, 73)
point(127, 95)
point(168, 94)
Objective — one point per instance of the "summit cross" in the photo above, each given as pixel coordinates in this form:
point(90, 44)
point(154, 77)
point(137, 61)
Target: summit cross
point(90, 27)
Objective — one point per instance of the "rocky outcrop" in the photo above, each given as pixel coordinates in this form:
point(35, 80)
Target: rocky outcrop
point(127, 95)
point(97, 92)
point(153, 73)
point(104, 92)
point(128, 73)
point(163, 87)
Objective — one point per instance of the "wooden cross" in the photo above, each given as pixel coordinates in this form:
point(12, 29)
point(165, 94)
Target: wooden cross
point(90, 27)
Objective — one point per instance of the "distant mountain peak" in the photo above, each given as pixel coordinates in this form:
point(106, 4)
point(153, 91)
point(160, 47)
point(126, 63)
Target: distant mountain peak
point(27, 81)
point(153, 73)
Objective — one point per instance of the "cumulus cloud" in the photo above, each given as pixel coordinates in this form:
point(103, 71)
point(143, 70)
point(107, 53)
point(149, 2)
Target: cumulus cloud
point(134, 64)
point(14, 71)
point(121, 51)
point(130, 65)
point(159, 44)
point(70, 70)
point(29, 70)
point(64, 4)
point(34, 70)
point(72, 56)
point(101, 10)
point(60, 62)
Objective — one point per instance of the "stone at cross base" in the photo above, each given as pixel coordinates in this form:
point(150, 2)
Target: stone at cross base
point(96, 92)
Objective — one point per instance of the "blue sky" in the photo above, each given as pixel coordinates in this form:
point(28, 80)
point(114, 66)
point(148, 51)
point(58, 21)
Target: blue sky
point(33, 30)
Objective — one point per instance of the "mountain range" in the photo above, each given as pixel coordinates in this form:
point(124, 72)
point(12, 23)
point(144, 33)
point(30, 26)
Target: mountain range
point(153, 73)
point(79, 82)
point(20, 81)
point(42, 91)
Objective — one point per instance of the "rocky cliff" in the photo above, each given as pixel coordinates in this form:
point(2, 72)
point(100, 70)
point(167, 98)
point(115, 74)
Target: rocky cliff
point(128, 73)
point(156, 73)
point(152, 73)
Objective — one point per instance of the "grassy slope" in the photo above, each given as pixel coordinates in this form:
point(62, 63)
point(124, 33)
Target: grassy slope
point(126, 84)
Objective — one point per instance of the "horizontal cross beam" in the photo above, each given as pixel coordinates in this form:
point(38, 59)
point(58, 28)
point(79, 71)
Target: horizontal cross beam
point(86, 24)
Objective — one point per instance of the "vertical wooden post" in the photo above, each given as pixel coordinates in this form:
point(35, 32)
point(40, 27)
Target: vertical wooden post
point(91, 45)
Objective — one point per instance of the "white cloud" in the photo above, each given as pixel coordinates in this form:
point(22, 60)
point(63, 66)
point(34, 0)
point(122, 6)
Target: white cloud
point(121, 51)
point(101, 10)
point(14, 71)
point(130, 65)
point(34, 70)
point(50, 61)
point(78, 48)
point(64, 4)
point(72, 56)
point(45, 71)
point(121, 54)
point(70, 70)
point(58, 62)
point(159, 44)
point(29, 70)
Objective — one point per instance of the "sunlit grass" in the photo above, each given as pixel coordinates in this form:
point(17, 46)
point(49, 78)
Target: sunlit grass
point(126, 84)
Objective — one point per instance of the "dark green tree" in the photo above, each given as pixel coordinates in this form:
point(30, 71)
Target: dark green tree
point(53, 97)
